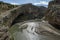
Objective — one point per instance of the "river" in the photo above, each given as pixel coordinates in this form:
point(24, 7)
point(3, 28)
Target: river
point(35, 30)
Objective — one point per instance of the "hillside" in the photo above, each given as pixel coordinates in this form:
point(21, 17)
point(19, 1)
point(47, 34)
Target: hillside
point(6, 6)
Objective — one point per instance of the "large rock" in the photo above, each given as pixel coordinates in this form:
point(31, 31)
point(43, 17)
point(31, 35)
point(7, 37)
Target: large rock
point(53, 14)
point(22, 13)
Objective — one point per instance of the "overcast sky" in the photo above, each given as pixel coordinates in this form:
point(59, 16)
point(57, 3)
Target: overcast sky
point(35, 2)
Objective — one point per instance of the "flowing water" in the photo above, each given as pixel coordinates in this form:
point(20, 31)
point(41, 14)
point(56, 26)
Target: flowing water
point(36, 30)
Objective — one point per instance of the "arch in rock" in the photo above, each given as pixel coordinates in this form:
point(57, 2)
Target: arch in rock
point(18, 11)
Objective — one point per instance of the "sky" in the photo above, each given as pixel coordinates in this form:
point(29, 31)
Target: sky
point(34, 2)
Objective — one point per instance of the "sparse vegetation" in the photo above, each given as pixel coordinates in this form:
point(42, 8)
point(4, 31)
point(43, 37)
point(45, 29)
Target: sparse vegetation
point(6, 6)
point(28, 12)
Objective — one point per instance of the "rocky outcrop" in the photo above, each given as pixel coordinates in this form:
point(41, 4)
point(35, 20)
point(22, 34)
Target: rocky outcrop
point(22, 13)
point(53, 13)
point(4, 35)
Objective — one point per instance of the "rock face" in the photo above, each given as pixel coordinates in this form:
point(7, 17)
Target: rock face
point(4, 35)
point(31, 12)
point(23, 13)
point(53, 13)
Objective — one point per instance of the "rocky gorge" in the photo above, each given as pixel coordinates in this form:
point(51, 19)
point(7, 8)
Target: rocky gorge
point(30, 22)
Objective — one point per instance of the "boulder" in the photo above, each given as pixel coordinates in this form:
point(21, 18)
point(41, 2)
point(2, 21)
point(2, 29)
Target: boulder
point(53, 14)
